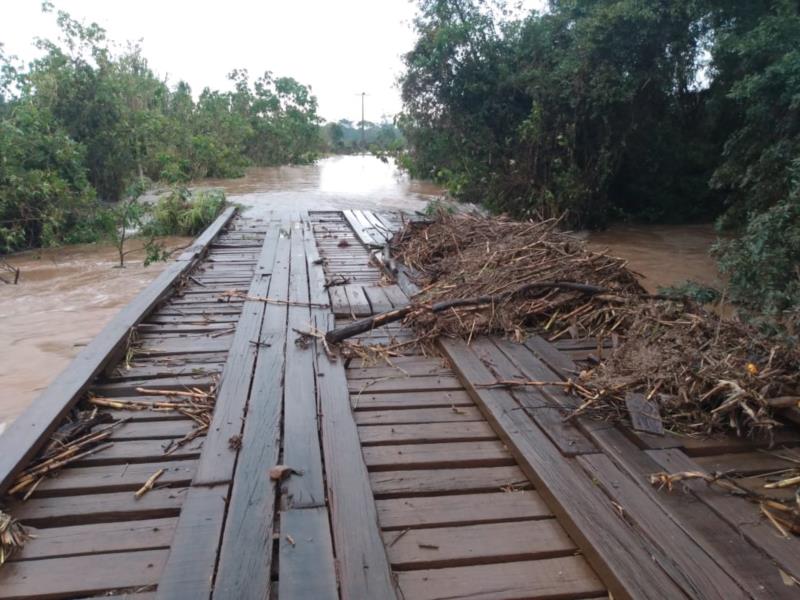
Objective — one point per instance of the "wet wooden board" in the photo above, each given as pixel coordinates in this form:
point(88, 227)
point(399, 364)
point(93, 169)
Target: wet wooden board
point(540, 406)
point(567, 577)
point(362, 565)
point(99, 538)
point(63, 511)
point(424, 433)
point(64, 578)
point(456, 414)
point(359, 305)
point(748, 463)
point(739, 513)
point(676, 552)
point(437, 456)
point(217, 461)
point(621, 557)
point(98, 480)
point(20, 443)
point(245, 558)
point(422, 369)
point(189, 569)
point(306, 555)
point(754, 572)
point(301, 448)
point(405, 384)
point(442, 547)
point(461, 509)
point(122, 453)
point(388, 484)
point(409, 400)
point(378, 299)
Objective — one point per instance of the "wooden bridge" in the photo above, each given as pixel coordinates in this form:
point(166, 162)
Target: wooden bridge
point(406, 479)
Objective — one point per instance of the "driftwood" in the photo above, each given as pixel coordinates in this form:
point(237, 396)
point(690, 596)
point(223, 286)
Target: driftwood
point(366, 324)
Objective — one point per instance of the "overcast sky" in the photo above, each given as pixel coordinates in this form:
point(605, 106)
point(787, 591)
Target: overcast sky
point(338, 47)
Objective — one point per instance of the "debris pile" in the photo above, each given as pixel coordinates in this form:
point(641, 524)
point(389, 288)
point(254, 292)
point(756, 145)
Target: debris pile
point(12, 536)
point(494, 275)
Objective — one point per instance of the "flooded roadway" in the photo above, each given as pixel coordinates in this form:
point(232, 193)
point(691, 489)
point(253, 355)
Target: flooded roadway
point(66, 296)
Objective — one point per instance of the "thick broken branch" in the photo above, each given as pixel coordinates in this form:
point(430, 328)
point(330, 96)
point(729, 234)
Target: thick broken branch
point(368, 323)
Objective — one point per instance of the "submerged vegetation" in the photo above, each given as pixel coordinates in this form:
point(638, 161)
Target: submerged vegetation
point(87, 119)
point(607, 109)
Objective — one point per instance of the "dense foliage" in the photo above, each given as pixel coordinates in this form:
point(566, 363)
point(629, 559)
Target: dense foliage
point(82, 122)
point(662, 111)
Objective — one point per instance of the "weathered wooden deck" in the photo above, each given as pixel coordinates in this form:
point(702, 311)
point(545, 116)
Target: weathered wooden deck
point(411, 479)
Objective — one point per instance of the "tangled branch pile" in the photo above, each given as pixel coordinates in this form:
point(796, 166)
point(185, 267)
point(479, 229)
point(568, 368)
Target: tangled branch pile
point(706, 373)
point(465, 256)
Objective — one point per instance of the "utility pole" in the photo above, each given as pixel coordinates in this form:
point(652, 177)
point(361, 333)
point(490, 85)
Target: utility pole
point(363, 135)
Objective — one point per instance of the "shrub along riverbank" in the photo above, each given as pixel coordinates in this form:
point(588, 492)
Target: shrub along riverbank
point(88, 119)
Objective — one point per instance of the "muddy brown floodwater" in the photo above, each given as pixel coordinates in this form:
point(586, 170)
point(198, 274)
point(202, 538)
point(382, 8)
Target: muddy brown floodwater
point(663, 254)
point(66, 296)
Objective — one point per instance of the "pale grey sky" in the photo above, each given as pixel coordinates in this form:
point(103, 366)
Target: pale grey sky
point(338, 47)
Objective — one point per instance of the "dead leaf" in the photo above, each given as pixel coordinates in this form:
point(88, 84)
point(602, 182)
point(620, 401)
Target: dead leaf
point(281, 472)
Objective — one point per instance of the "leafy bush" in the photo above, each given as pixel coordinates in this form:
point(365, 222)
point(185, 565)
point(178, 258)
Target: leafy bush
point(764, 263)
point(182, 213)
point(693, 290)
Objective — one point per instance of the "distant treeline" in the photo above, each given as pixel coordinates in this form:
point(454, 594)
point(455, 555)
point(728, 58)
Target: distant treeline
point(345, 137)
point(86, 120)
point(663, 111)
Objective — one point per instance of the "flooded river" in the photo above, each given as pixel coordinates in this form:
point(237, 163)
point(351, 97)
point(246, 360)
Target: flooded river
point(65, 296)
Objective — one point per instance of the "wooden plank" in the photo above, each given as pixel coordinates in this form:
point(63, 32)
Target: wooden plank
point(679, 555)
point(422, 369)
point(362, 565)
point(557, 361)
point(396, 296)
point(159, 430)
point(339, 302)
point(359, 305)
point(301, 448)
point(379, 229)
point(378, 300)
point(98, 508)
point(33, 427)
point(743, 516)
point(461, 509)
point(754, 572)
point(566, 577)
point(69, 577)
point(75, 481)
point(392, 484)
point(644, 414)
point(441, 547)
point(121, 453)
point(189, 569)
point(424, 433)
point(245, 559)
point(217, 460)
point(359, 229)
point(306, 555)
point(537, 403)
point(748, 463)
point(410, 400)
point(98, 539)
point(422, 415)
point(452, 455)
point(621, 557)
point(401, 383)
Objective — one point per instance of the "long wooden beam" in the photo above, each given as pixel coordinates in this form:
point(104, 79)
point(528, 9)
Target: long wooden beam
point(32, 429)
